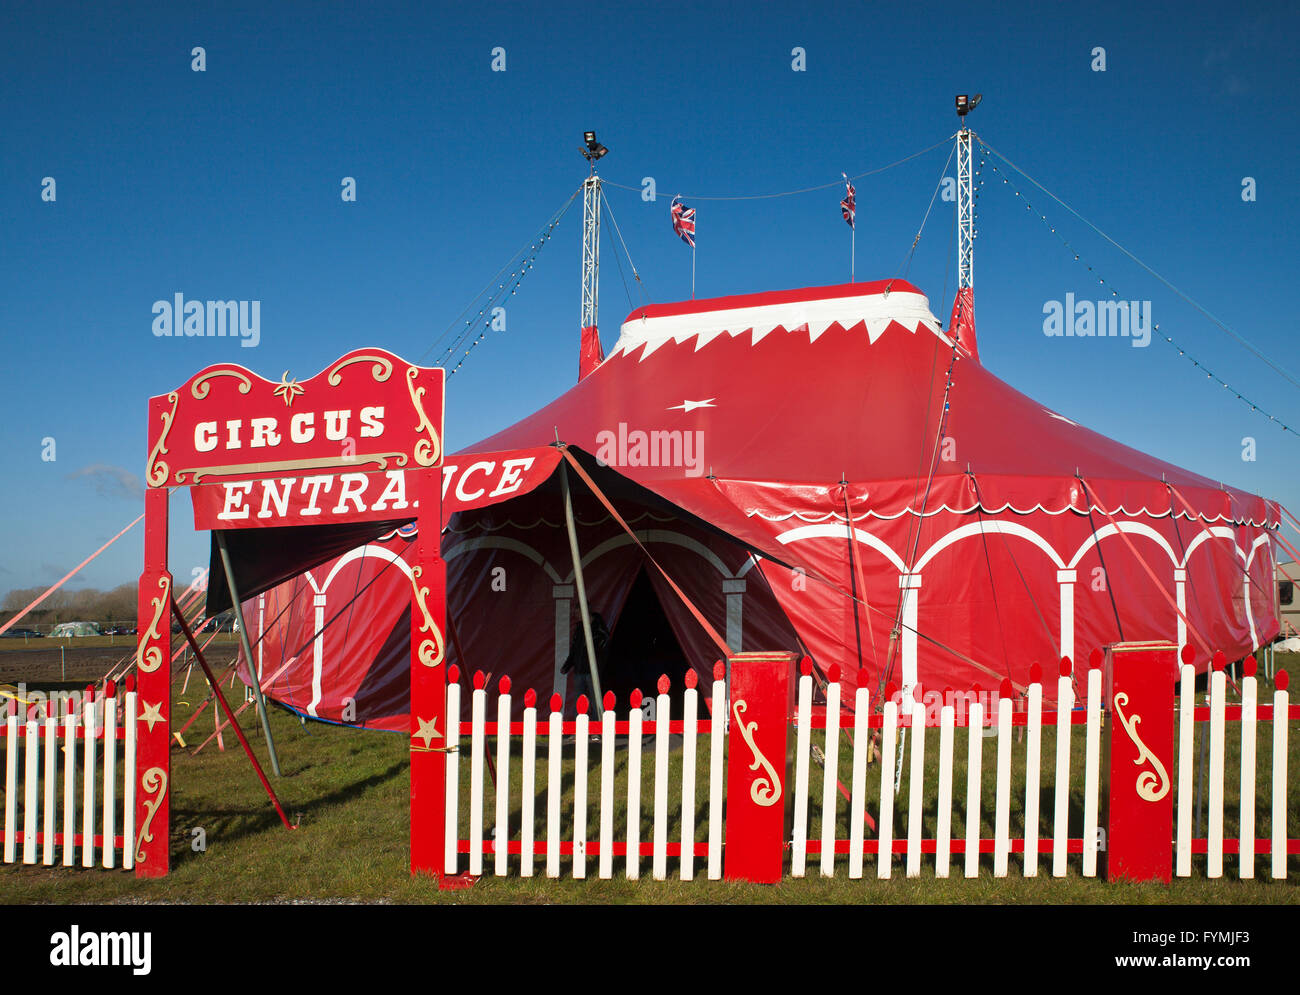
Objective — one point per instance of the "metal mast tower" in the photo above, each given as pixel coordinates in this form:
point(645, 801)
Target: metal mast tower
point(591, 151)
point(965, 200)
point(590, 249)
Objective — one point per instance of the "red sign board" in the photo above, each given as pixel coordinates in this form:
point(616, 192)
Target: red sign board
point(380, 496)
point(1140, 745)
point(369, 411)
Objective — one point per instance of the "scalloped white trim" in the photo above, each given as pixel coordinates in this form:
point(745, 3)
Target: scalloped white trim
point(1121, 510)
point(878, 311)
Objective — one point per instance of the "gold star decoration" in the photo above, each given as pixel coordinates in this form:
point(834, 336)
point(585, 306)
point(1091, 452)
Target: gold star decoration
point(288, 389)
point(428, 731)
point(152, 713)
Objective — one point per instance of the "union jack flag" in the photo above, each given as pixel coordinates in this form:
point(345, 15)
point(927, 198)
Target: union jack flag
point(684, 221)
point(848, 204)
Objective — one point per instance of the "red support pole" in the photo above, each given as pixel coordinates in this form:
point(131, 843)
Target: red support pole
point(153, 652)
point(429, 685)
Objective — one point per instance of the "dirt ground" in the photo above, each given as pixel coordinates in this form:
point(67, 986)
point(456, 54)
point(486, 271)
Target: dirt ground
point(40, 666)
point(76, 666)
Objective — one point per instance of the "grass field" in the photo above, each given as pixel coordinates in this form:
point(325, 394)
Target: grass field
point(349, 791)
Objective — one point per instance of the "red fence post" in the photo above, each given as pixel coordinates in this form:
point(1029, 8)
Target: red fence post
point(429, 716)
point(153, 655)
point(759, 709)
point(1139, 696)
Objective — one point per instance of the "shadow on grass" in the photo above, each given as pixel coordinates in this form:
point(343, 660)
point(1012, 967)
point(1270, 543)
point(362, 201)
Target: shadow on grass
point(237, 823)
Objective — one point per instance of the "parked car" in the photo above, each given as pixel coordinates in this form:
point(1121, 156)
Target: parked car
point(22, 634)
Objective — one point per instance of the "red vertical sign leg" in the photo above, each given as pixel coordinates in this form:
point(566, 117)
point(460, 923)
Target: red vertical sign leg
point(1140, 744)
point(759, 712)
point(428, 685)
point(153, 653)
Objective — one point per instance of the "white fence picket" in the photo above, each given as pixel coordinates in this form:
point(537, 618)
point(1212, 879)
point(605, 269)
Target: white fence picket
point(888, 747)
point(1218, 696)
point(529, 786)
point(974, 768)
point(1281, 706)
point(478, 717)
point(634, 719)
point(11, 784)
point(690, 714)
point(1061, 818)
point(659, 866)
point(858, 787)
point(501, 831)
point(128, 783)
point(1002, 805)
point(50, 807)
point(916, 788)
point(1186, 727)
point(943, 825)
point(31, 758)
point(1092, 773)
point(451, 832)
point(719, 723)
point(1246, 832)
point(582, 731)
point(69, 783)
point(1033, 770)
point(110, 778)
point(830, 774)
point(606, 865)
point(88, 785)
point(553, 789)
point(803, 733)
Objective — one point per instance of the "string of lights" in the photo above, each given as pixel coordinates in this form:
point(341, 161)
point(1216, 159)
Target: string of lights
point(485, 314)
point(1114, 293)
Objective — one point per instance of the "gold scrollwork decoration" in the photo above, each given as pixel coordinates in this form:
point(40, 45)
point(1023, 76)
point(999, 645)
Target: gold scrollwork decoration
point(1152, 785)
point(153, 783)
point(765, 790)
point(431, 650)
point(382, 370)
point(148, 655)
point(199, 389)
point(427, 451)
point(156, 474)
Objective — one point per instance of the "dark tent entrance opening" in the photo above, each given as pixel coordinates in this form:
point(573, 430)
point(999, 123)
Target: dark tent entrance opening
point(643, 646)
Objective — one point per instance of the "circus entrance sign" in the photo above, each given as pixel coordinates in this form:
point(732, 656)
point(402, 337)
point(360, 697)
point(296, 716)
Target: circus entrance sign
point(365, 419)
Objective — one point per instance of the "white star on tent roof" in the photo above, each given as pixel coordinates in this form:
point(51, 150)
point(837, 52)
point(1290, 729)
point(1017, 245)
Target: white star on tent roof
point(689, 406)
point(1067, 421)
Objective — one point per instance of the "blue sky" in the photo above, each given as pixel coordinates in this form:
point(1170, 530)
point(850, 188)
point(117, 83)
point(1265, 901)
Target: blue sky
point(226, 184)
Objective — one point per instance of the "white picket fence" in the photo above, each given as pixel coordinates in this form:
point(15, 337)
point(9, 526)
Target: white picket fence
point(38, 816)
point(566, 833)
point(877, 794)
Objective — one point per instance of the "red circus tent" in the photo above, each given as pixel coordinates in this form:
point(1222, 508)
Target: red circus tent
point(787, 459)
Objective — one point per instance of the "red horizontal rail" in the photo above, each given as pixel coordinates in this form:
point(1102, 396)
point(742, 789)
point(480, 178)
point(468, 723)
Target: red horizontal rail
point(592, 848)
point(957, 846)
point(676, 727)
point(78, 732)
point(78, 839)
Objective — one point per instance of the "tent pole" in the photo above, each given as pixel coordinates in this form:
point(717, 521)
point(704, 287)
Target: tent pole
point(582, 588)
point(248, 649)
